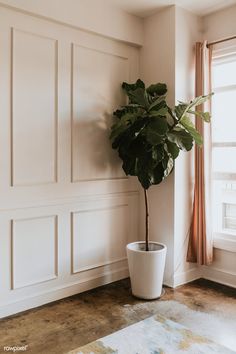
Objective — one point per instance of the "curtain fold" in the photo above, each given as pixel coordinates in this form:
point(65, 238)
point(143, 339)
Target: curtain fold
point(200, 247)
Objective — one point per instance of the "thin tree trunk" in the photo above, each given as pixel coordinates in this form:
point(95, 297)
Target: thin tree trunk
point(146, 220)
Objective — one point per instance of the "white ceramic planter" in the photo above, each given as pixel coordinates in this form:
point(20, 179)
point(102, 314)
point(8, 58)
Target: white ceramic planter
point(146, 269)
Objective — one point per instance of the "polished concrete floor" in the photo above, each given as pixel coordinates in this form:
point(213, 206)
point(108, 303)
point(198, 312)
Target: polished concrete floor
point(69, 323)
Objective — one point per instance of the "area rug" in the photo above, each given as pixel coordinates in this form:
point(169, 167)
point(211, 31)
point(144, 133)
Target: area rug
point(204, 323)
point(154, 335)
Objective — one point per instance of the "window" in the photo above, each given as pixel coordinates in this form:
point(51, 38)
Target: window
point(224, 144)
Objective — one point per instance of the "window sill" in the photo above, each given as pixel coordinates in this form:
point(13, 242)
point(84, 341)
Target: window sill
point(223, 242)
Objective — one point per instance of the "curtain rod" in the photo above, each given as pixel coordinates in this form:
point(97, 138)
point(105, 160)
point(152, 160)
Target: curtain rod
point(220, 41)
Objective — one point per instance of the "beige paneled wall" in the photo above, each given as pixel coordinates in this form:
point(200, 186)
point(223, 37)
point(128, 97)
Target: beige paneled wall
point(66, 209)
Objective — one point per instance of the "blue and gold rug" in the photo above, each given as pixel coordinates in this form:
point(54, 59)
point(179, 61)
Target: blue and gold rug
point(155, 335)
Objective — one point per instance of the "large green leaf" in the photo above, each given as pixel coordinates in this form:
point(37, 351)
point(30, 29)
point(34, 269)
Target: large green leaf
point(199, 100)
point(181, 138)
point(120, 126)
point(139, 96)
point(180, 110)
point(143, 167)
point(137, 147)
point(129, 166)
point(144, 179)
point(132, 87)
point(160, 105)
point(168, 164)
point(160, 112)
point(203, 115)
point(184, 108)
point(155, 105)
point(157, 153)
point(170, 117)
point(188, 125)
point(119, 113)
point(156, 130)
point(172, 149)
point(157, 89)
point(126, 137)
point(117, 130)
point(158, 174)
point(158, 125)
point(153, 137)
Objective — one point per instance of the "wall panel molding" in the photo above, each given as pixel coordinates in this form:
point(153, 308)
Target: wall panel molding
point(20, 249)
point(83, 59)
point(93, 235)
point(19, 105)
point(70, 200)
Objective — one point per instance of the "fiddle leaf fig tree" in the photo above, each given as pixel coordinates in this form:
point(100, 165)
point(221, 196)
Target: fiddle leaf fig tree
point(148, 134)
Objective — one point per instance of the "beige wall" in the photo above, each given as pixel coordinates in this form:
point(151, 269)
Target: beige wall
point(168, 56)
point(92, 15)
point(157, 64)
point(188, 29)
point(220, 24)
point(157, 55)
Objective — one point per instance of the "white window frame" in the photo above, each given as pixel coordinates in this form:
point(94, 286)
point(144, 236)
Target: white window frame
point(225, 240)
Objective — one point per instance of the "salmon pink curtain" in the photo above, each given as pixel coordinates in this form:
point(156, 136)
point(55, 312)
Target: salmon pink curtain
point(200, 247)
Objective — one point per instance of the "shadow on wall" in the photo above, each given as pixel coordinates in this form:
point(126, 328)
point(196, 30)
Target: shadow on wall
point(93, 157)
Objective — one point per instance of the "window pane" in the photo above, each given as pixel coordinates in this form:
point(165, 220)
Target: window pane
point(224, 117)
point(217, 206)
point(224, 207)
point(224, 159)
point(224, 74)
point(229, 216)
point(230, 223)
point(230, 211)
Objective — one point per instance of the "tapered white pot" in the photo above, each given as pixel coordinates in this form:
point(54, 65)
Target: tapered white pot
point(146, 269)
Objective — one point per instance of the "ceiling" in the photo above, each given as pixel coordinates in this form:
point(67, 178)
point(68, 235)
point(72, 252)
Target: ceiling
point(145, 8)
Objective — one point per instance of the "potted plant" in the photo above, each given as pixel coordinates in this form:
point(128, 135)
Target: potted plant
point(148, 135)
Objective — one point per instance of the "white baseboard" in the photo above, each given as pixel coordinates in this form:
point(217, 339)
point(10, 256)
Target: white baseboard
point(188, 276)
point(210, 273)
point(219, 276)
point(57, 294)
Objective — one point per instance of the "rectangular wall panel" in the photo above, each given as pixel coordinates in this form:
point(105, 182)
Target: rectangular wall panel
point(33, 250)
point(33, 109)
point(99, 237)
point(97, 79)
